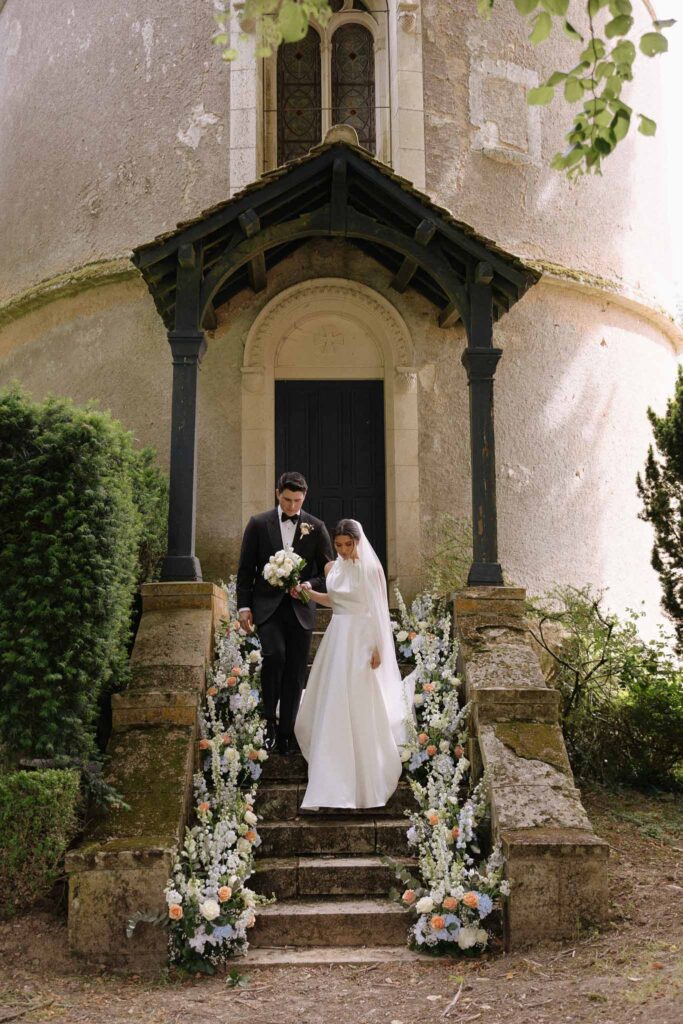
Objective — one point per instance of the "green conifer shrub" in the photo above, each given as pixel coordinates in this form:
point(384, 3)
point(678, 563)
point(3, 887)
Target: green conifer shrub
point(39, 814)
point(82, 517)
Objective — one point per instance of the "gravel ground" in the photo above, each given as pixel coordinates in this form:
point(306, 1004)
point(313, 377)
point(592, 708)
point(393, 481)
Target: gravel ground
point(631, 972)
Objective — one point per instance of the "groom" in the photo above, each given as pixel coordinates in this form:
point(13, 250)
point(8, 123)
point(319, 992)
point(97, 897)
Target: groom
point(285, 622)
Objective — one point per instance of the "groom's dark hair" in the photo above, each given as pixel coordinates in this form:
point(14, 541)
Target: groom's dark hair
point(292, 482)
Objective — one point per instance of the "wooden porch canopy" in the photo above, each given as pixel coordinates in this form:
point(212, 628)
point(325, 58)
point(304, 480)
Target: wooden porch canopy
point(338, 190)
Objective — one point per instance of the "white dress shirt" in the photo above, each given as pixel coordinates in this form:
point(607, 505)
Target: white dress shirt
point(287, 531)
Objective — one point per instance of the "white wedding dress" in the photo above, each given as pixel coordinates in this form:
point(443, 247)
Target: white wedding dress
point(352, 718)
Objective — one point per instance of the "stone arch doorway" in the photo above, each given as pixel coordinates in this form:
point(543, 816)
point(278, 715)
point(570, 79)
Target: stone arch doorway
point(335, 329)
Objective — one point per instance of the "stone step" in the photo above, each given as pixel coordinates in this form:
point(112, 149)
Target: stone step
point(291, 877)
point(306, 923)
point(316, 639)
point(281, 801)
point(322, 618)
point(291, 956)
point(342, 835)
point(292, 768)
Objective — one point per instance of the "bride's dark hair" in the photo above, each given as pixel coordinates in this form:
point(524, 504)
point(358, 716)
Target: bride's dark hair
point(346, 528)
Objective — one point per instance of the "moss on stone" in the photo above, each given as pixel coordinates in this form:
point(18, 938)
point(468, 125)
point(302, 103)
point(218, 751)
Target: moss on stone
point(62, 286)
point(535, 741)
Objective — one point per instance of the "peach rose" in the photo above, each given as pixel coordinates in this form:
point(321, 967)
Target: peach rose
point(175, 911)
point(412, 634)
point(236, 624)
point(428, 687)
point(431, 750)
point(470, 899)
point(423, 738)
point(211, 692)
point(433, 819)
point(408, 896)
point(226, 738)
point(250, 836)
point(224, 893)
point(203, 807)
point(455, 831)
point(231, 681)
point(249, 807)
point(253, 755)
point(438, 923)
point(252, 921)
point(458, 751)
point(235, 670)
point(204, 744)
point(450, 903)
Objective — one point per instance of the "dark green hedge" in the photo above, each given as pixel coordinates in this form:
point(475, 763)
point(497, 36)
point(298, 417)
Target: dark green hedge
point(38, 820)
point(82, 522)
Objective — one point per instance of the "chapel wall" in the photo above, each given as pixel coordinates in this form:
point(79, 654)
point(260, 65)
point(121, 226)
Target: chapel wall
point(488, 153)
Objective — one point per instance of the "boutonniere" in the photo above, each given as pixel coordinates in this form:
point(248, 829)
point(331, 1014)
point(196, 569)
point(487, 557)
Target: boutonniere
point(306, 528)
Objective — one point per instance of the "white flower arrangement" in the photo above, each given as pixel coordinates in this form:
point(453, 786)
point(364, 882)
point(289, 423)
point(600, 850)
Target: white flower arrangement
point(283, 570)
point(306, 528)
point(456, 887)
point(210, 907)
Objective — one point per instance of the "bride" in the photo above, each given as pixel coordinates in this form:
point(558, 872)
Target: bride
point(352, 717)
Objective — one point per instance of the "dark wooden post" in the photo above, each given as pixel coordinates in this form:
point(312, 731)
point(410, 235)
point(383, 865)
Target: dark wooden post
point(188, 346)
point(480, 359)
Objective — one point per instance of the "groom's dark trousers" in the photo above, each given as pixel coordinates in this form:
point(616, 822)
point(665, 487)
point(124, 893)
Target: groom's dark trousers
point(284, 624)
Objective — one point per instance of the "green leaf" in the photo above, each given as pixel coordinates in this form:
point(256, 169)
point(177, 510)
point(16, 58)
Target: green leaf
point(594, 51)
point(540, 96)
point(558, 7)
point(624, 52)
point(556, 78)
point(526, 6)
point(619, 26)
point(647, 126)
point(569, 30)
point(667, 23)
point(594, 6)
point(220, 39)
point(653, 43)
point(484, 8)
point(621, 125)
point(573, 90)
point(543, 24)
point(292, 21)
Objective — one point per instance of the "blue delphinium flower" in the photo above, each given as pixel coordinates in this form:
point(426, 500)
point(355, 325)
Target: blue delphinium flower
point(484, 904)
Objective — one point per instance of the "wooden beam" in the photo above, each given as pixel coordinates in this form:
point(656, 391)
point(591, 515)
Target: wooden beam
point(338, 198)
point(424, 232)
point(257, 272)
point(210, 321)
point(250, 222)
point(449, 316)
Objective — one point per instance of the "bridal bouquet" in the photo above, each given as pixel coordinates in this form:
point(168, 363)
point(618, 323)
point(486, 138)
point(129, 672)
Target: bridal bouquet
point(284, 569)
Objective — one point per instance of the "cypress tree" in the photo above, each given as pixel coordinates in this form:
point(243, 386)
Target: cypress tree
point(661, 490)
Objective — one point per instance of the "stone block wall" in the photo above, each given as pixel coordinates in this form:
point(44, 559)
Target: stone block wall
point(556, 865)
point(124, 861)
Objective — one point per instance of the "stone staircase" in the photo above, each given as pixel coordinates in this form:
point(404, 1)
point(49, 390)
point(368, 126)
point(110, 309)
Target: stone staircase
point(325, 869)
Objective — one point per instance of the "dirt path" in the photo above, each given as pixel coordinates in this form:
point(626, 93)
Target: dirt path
point(632, 972)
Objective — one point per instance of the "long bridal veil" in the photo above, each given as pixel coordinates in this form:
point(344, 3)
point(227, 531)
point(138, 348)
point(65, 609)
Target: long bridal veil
point(398, 697)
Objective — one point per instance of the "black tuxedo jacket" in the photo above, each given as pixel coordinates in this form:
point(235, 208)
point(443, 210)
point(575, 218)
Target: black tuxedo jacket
point(262, 538)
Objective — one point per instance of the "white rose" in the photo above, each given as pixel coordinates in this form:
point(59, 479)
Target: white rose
point(254, 657)
point(418, 699)
point(482, 936)
point(244, 689)
point(280, 557)
point(405, 754)
point(250, 818)
point(403, 635)
point(209, 909)
point(422, 624)
point(263, 755)
point(243, 846)
point(467, 937)
point(425, 905)
point(444, 746)
point(288, 565)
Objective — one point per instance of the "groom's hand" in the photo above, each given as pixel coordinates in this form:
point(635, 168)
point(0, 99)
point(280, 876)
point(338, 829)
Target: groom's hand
point(247, 620)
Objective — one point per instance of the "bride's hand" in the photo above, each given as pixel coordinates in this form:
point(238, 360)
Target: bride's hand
point(375, 660)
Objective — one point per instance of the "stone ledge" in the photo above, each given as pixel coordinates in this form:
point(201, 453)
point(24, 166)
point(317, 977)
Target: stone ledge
point(507, 704)
point(154, 707)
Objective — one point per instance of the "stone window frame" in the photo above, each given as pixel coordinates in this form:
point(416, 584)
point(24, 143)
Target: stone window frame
point(376, 23)
point(399, 91)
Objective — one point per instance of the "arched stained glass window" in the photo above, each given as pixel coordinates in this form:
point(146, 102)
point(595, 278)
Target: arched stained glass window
point(299, 123)
point(353, 81)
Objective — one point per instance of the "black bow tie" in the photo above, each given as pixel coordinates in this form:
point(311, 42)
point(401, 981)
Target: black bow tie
point(289, 519)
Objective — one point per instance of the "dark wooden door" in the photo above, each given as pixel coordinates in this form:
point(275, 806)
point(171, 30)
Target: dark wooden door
point(332, 431)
